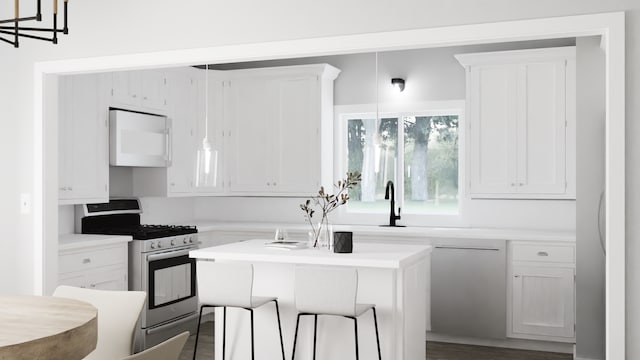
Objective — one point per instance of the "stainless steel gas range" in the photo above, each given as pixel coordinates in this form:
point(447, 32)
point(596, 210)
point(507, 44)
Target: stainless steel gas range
point(159, 264)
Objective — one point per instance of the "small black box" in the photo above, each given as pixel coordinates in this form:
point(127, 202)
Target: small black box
point(342, 241)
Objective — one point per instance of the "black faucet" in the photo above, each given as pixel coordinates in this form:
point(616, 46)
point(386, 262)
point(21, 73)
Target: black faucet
point(392, 215)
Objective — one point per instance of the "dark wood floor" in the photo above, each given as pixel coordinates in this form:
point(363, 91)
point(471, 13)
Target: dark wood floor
point(435, 350)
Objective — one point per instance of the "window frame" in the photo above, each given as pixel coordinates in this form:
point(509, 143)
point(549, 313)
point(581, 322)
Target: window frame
point(342, 113)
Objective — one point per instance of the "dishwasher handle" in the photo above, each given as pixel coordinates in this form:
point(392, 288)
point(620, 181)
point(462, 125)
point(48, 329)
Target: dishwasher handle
point(450, 247)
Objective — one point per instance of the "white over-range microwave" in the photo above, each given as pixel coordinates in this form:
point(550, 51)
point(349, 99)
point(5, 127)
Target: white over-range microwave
point(139, 139)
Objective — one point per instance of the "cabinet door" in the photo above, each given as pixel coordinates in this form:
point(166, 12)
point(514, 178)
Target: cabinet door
point(541, 128)
point(126, 88)
point(73, 279)
point(297, 135)
point(250, 138)
point(182, 93)
point(86, 131)
point(65, 137)
point(492, 96)
point(543, 301)
point(112, 279)
point(153, 89)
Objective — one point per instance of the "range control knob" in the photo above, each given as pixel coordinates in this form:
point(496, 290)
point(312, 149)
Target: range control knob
point(159, 244)
point(173, 242)
point(153, 245)
point(184, 240)
point(190, 239)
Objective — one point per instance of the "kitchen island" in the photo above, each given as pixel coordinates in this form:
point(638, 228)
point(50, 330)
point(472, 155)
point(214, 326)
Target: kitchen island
point(393, 277)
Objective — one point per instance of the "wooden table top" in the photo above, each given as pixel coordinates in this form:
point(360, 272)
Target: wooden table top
point(45, 327)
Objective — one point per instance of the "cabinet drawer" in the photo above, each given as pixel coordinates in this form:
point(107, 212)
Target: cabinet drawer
point(543, 253)
point(90, 259)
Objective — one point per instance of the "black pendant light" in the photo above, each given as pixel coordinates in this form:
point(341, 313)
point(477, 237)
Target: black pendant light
point(16, 31)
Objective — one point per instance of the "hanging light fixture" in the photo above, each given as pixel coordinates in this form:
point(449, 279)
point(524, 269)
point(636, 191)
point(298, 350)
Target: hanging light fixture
point(377, 138)
point(207, 167)
point(16, 31)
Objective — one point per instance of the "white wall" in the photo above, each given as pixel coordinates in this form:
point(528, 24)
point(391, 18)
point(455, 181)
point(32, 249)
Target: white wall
point(590, 300)
point(122, 26)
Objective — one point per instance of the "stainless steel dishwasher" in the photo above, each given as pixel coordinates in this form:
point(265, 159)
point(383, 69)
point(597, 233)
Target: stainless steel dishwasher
point(468, 288)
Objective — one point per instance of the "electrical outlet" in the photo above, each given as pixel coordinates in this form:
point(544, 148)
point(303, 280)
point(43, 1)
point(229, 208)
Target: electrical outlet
point(25, 203)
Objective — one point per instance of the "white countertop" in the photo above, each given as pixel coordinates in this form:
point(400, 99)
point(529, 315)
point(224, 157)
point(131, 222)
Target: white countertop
point(79, 241)
point(409, 231)
point(389, 256)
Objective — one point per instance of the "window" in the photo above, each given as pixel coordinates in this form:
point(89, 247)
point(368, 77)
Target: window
point(416, 149)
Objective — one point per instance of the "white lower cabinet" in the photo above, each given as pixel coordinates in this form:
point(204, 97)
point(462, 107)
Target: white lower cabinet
point(95, 266)
point(101, 279)
point(542, 292)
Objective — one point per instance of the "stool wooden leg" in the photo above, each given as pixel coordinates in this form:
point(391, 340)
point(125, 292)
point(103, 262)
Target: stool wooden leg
point(355, 323)
point(315, 331)
point(279, 328)
point(295, 338)
point(375, 322)
point(195, 346)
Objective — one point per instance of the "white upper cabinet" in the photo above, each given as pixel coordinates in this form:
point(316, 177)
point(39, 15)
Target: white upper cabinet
point(154, 89)
point(521, 110)
point(250, 143)
point(182, 112)
point(279, 124)
point(178, 179)
point(297, 166)
point(143, 90)
point(83, 156)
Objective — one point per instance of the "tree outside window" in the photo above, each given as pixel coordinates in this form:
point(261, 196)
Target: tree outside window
point(429, 148)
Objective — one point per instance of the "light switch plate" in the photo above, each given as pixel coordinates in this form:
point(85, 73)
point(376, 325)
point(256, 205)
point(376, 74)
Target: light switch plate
point(25, 203)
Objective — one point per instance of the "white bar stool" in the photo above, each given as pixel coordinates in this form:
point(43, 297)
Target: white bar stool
point(222, 284)
point(329, 291)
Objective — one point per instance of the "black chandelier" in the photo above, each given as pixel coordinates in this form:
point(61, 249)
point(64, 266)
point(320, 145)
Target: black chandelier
point(16, 31)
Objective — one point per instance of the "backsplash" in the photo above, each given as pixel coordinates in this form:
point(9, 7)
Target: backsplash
point(66, 215)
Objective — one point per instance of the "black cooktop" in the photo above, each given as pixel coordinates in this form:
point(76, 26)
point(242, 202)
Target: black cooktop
point(144, 232)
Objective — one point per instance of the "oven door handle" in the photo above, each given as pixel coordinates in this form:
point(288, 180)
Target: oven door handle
point(172, 324)
point(168, 254)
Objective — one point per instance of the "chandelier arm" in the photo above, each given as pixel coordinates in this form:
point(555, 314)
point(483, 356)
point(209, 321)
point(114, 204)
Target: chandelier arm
point(7, 41)
point(29, 29)
point(6, 21)
point(25, 35)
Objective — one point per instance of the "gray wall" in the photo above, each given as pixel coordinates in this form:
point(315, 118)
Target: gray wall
point(590, 272)
point(123, 26)
point(430, 74)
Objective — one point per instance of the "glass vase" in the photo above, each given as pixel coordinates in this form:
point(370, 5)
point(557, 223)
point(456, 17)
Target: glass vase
point(322, 237)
